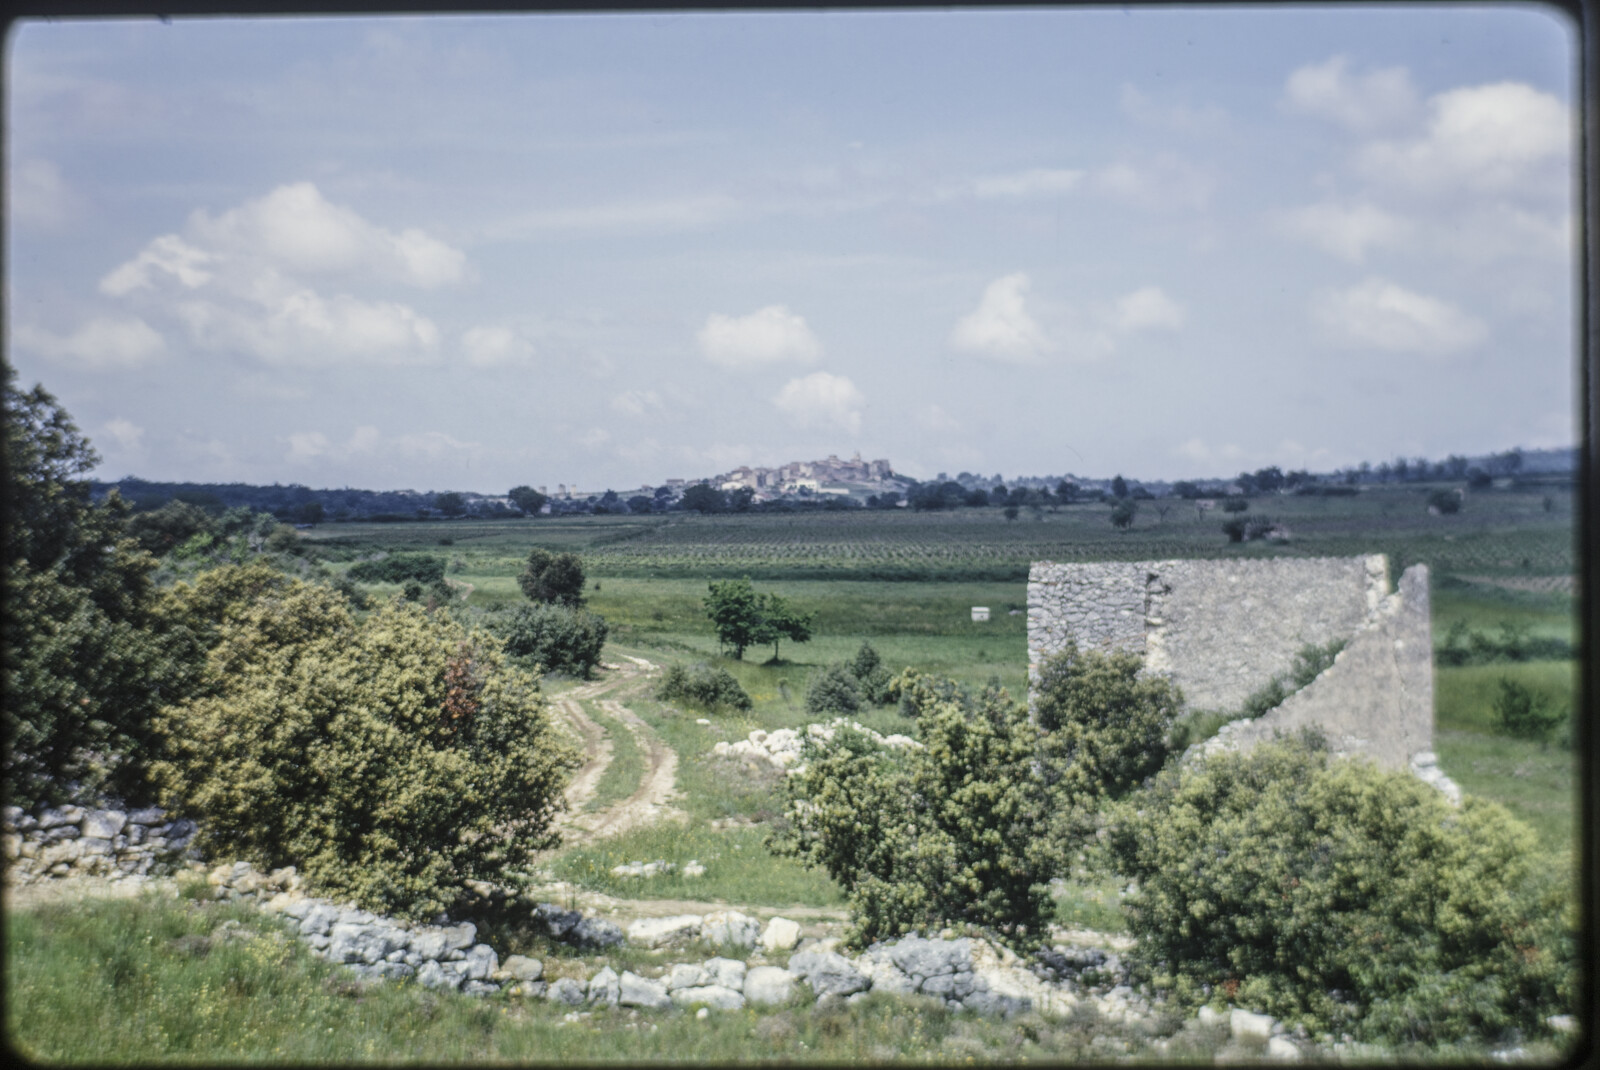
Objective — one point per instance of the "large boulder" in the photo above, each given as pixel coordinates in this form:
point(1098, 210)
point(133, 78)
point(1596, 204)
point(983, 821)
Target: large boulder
point(481, 962)
point(433, 975)
point(595, 933)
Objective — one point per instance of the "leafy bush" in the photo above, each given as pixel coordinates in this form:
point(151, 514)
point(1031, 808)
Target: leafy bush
point(952, 833)
point(1444, 501)
point(916, 691)
point(391, 760)
point(1525, 713)
point(1339, 896)
point(549, 577)
point(867, 668)
point(834, 690)
point(553, 636)
point(704, 686)
point(1103, 729)
point(1235, 504)
point(398, 568)
point(162, 530)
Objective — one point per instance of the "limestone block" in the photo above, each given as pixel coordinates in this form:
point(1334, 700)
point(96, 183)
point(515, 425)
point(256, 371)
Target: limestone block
point(729, 973)
point(828, 973)
point(566, 991)
point(730, 927)
point(781, 935)
point(605, 987)
point(686, 975)
point(103, 824)
point(523, 968)
point(768, 985)
point(636, 991)
point(459, 937)
point(717, 996)
point(659, 932)
point(433, 975)
point(481, 962)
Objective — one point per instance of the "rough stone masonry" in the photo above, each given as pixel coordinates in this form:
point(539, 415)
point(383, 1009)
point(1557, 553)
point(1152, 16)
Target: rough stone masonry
point(1221, 630)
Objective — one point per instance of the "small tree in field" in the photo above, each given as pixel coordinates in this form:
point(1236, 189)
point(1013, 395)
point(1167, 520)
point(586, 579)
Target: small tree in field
point(783, 621)
point(556, 578)
point(1123, 510)
point(527, 499)
point(737, 613)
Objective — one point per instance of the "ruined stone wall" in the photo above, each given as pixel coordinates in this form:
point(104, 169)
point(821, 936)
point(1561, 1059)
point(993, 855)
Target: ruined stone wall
point(1219, 629)
point(1222, 630)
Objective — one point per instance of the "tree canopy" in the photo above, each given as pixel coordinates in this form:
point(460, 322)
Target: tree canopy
point(556, 578)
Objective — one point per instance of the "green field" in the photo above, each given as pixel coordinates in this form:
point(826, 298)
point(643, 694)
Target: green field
point(906, 582)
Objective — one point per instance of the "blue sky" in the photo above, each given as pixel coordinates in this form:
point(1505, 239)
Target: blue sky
point(469, 253)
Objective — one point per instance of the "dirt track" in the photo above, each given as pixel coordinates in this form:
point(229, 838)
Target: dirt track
point(649, 801)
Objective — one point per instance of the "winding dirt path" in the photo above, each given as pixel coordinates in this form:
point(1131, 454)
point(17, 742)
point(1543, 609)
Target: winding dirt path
point(649, 802)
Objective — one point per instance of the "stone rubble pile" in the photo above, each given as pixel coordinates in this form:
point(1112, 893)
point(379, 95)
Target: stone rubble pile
point(782, 747)
point(76, 841)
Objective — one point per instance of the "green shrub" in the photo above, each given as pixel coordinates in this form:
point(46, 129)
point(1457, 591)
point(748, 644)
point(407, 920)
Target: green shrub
point(953, 833)
point(1235, 504)
point(398, 568)
point(390, 760)
point(1525, 713)
point(1103, 727)
point(1444, 501)
point(873, 678)
point(916, 691)
point(554, 636)
point(1333, 894)
point(834, 690)
point(704, 686)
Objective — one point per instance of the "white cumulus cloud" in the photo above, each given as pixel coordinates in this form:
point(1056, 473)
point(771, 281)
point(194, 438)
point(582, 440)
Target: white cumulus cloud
point(1147, 308)
point(237, 283)
point(823, 401)
point(1502, 138)
point(1378, 314)
point(1165, 182)
point(1347, 231)
point(102, 342)
point(1000, 327)
point(769, 335)
point(295, 228)
point(1362, 103)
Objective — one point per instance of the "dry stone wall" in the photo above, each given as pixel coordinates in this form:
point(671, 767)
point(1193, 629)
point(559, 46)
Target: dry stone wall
point(1221, 630)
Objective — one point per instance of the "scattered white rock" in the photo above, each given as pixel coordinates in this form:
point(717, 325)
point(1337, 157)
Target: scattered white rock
point(636, 991)
point(693, 868)
point(1283, 1050)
